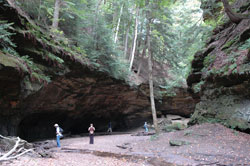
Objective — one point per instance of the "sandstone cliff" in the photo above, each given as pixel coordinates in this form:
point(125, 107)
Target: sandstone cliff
point(75, 94)
point(220, 75)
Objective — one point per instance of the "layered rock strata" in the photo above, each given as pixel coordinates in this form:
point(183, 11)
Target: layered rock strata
point(220, 76)
point(76, 95)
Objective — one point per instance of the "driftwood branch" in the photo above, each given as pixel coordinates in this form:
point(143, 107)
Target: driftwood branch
point(5, 156)
point(16, 151)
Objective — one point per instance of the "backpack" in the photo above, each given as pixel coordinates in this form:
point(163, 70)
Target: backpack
point(60, 130)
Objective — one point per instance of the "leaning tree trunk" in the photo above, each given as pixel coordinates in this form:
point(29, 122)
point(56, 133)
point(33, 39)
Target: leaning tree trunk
point(234, 17)
point(56, 14)
point(150, 73)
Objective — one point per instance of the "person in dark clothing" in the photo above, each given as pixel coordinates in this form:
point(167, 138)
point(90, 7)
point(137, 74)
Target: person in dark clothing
point(109, 128)
point(91, 134)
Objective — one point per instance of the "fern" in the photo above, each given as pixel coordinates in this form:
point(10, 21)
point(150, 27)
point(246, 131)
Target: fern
point(5, 41)
point(246, 45)
point(35, 72)
point(23, 63)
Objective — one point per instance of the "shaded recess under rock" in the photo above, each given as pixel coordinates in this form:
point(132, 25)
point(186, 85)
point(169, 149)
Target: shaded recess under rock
point(75, 97)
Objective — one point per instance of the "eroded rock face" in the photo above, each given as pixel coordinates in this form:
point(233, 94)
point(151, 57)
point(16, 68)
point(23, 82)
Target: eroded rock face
point(81, 97)
point(76, 96)
point(220, 76)
point(76, 99)
point(182, 104)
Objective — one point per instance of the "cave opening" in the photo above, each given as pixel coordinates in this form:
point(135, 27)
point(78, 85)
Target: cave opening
point(39, 126)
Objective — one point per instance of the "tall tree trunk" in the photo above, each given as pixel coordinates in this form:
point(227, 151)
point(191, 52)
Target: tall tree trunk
point(139, 41)
point(56, 14)
point(118, 25)
point(150, 75)
point(135, 37)
point(113, 7)
point(142, 55)
point(126, 38)
point(39, 10)
point(95, 22)
point(126, 42)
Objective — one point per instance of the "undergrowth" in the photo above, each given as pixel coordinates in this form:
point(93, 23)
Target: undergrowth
point(9, 56)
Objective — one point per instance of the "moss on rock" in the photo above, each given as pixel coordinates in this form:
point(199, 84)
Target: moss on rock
point(229, 110)
point(12, 61)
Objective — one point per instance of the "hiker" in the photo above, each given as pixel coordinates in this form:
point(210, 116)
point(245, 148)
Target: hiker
point(146, 127)
point(91, 133)
point(58, 134)
point(109, 128)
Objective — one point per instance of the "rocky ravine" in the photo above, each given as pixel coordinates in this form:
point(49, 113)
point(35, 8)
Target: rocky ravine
point(77, 94)
point(220, 76)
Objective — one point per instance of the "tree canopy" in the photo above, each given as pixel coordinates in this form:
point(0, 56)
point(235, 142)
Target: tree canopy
point(112, 34)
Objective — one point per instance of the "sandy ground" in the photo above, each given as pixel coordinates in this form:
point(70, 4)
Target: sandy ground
point(208, 144)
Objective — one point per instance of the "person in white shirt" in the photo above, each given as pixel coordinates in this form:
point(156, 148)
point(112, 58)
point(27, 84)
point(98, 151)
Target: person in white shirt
point(58, 135)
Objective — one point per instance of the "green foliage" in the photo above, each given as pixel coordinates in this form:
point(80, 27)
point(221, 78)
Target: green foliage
point(178, 32)
point(101, 49)
point(230, 123)
point(10, 57)
point(209, 60)
point(188, 132)
point(87, 29)
point(197, 87)
point(222, 109)
point(36, 74)
point(168, 89)
point(218, 21)
point(5, 35)
point(231, 43)
point(244, 68)
point(6, 45)
point(229, 65)
point(246, 45)
point(213, 12)
point(174, 127)
point(178, 142)
point(154, 137)
point(236, 133)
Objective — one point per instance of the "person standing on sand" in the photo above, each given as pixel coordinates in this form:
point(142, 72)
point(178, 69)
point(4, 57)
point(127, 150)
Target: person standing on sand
point(109, 128)
point(58, 135)
point(91, 133)
point(146, 127)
